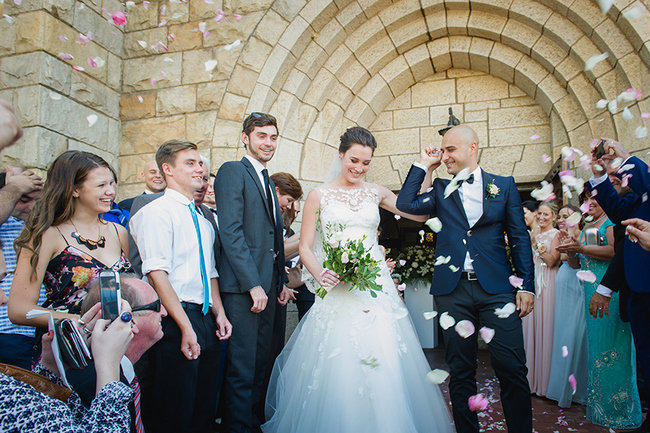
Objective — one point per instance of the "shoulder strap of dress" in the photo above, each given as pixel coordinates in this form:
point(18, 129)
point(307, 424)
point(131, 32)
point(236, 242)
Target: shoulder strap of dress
point(66, 241)
point(116, 232)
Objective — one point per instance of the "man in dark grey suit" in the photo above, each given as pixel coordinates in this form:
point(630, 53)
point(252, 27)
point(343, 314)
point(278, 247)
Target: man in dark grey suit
point(251, 269)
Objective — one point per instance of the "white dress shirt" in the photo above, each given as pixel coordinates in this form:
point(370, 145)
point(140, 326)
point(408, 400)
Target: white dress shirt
point(471, 195)
point(166, 238)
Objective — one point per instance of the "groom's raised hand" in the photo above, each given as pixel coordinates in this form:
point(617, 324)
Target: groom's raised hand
point(525, 302)
point(430, 157)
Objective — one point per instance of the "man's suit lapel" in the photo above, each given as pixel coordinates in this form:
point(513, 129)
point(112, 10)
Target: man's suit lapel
point(487, 179)
point(456, 196)
point(256, 179)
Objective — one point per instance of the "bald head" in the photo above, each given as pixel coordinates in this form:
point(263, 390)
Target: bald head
point(460, 149)
point(152, 177)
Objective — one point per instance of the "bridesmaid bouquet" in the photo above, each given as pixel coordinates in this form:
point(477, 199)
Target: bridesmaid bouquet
point(351, 260)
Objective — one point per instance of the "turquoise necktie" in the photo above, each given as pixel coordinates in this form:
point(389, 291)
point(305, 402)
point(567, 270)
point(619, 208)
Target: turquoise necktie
point(204, 274)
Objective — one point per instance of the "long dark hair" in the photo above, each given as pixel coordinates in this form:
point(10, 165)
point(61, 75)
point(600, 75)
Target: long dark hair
point(56, 206)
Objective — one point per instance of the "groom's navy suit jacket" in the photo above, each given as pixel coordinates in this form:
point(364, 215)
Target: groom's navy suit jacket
point(485, 240)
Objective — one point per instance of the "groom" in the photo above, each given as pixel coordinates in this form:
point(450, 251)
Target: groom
point(475, 220)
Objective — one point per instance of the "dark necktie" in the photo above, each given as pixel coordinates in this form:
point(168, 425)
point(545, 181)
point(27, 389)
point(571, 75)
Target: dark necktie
point(135, 385)
point(469, 180)
point(269, 200)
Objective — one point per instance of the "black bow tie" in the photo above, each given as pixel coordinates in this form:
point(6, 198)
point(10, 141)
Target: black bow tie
point(469, 180)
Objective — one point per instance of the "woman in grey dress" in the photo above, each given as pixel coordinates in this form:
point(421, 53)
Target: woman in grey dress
point(570, 329)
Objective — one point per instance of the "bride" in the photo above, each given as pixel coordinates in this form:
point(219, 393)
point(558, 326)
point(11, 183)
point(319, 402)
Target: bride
point(354, 363)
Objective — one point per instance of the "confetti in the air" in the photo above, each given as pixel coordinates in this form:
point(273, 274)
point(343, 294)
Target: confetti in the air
point(565, 351)
point(594, 60)
point(627, 114)
point(140, 98)
point(487, 334)
point(434, 224)
point(233, 45)
point(446, 321)
point(535, 137)
point(428, 315)
point(516, 281)
point(506, 311)
point(92, 119)
point(66, 56)
point(437, 376)
point(465, 328)
point(546, 158)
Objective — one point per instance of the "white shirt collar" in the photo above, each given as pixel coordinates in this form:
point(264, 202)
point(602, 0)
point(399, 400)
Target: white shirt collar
point(127, 369)
point(258, 166)
point(178, 196)
point(146, 191)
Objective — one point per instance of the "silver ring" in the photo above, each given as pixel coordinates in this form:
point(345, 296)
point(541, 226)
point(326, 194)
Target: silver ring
point(86, 330)
point(81, 322)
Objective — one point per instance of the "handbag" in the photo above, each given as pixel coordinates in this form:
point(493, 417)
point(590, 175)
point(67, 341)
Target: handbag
point(39, 383)
point(73, 347)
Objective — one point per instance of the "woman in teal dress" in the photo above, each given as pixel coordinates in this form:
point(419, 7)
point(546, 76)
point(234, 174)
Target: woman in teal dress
point(612, 394)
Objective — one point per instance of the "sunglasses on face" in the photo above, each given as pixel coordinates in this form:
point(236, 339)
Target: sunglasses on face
point(152, 306)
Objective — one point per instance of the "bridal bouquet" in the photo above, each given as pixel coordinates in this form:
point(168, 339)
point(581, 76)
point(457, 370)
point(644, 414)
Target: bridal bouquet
point(351, 260)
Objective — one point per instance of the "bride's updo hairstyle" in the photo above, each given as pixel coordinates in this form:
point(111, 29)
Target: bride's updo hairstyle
point(357, 135)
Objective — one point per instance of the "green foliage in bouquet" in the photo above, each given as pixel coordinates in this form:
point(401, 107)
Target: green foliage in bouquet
point(415, 263)
point(351, 260)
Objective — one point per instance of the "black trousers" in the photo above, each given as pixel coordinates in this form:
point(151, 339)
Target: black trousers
point(179, 395)
point(249, 348)
point(639, 311)
point(470, 302)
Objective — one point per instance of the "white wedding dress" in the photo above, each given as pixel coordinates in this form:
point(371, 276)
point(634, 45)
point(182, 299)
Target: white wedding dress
point(354, 364)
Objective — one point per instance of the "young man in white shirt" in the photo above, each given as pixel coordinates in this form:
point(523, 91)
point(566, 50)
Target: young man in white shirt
point(180, 390)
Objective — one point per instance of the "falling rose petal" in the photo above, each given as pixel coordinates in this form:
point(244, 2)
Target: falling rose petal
point(546, 158)
point(437, 376)
point(446, 321)
point(91, 62)
point(602, 104)
point(641, 131)
point(162, 75)
point(55, 96)
point(66, 56)
point(645, 117)
point(206, 34)
point(565, 351)
point(119, 19)
point(130, 4)
point(535, 137)
point(237, 17)
point(143, 44)
point(434, 224)
point(516, 281)
point(587, 276)
point(177, 16)
point(568, 153)
point(612, 106)
point(402, 262)
point(465, 328)
point(145, 5)
point(84, 39)
point(163, 9)
point(477, 402)
point(574, 384)
point(233, 45)
point(153, 81)
point(635, 13)
point(595, 142)
point(428, 315)
point(208, 2)
point(585, 162)
point(584, 208)
point(141, 99)
point(9, 19)
point(442, 260)
point(627, 114)
point(220, 15)
point(397, 217)
point(63, 38)
point(202, 26)
point(616, 163)
point(544, 193)
point(18, 2)
point(487, 334)
point(210, 65)
point(594, 60)
point(506, 311)
point(401, 287)
point(92, 119)
point(644, 197)
point(453, 268)
point(78, 68)
point(162, 22)
point(625, 180)
point(626, 167)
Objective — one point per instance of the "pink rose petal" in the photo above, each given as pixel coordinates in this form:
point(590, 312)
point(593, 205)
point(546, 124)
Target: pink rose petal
point(84, 39)
point(535, 137)
point(645, 117)
point(78, 68)
point(18, 2)
point(565, 352)
point(401, 287)
point(140, 98)
point(625, 180)
point(145, 5)
point(163, 9)
point(487, 334)
point(154, 81)
point(162, 22)
point(237, 17)
point(118, 19)
point(63, 39)
point(515, 281)
point(208, 2)
point(574, 384)
point(584, 208)
point(91, 62)
point(465, 328)
point(587, 276)
point(66, 56)
point(546, 158)
point(477, 402)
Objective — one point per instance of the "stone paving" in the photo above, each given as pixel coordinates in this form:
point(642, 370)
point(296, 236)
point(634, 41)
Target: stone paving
point(547, 416)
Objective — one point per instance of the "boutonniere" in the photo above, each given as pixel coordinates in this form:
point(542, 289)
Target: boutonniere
point(492, 190)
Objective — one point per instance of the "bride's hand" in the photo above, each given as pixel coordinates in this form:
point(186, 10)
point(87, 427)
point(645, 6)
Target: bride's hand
point(328, 278)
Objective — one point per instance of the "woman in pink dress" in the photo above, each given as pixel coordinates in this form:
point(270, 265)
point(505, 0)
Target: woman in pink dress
point(538, 325)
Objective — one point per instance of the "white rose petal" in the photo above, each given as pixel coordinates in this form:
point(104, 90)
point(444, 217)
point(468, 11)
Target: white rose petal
point(210, 65)
point(601, 104)
point(92, 119)
point(428, 315)
point(446, 321)
point(641, 131)
point(594, 60)
point(612, 106)
point(506, 311)
point(143, 44)
point(437, 376)
point(434, 224)
point(627, 114)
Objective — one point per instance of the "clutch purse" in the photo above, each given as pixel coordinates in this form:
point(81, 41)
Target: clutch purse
point(38, 382)
point(73, 347)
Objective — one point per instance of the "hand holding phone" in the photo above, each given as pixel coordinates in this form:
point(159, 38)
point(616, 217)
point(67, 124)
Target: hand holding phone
point(111, 296)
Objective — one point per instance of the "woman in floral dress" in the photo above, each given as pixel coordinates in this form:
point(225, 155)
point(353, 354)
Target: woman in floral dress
point(65, 243)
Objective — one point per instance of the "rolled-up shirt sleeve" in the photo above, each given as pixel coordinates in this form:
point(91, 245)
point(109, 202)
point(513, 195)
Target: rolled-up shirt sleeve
point(152, 232)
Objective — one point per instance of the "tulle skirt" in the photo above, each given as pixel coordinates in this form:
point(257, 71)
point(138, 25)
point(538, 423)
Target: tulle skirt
point(354, 364)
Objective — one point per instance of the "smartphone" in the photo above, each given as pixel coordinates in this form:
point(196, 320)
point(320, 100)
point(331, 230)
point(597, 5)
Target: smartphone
point(592, 236)
point(109, 288)
point(600, 150)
